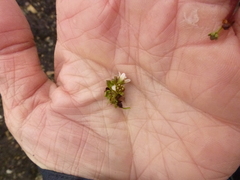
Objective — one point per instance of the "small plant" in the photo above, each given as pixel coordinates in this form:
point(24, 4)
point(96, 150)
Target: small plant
point(114, 91)
point(227, 22)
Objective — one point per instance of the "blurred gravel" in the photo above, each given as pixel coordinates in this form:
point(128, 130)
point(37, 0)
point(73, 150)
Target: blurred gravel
point(41, 16)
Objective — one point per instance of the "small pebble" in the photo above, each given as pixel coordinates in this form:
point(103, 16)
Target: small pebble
point(31, 9)
point(8, 171)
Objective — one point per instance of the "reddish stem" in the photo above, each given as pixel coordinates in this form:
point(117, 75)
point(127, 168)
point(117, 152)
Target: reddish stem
point(230, 18)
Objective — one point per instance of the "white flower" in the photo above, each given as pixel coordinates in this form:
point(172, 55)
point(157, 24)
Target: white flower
point(127, 81)
point(114, 87)
point(123, 77)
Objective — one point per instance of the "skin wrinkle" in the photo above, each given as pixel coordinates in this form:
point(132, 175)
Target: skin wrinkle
point(130, 57)
point(165, 167)
point(134, 143)
point(204, 91)
point(157, 58)
point(106, 18)
point(180, 139)
point(88, 65)
point(52, 145)
point(146, 166)
point(63, 43)
point(149, 154)
point(165, 29)
point(236, 93)
point(4, 32)
point(66, 117)
point(20, 132)
point(37, 146)
point(126, 20)
point(169, 124)
point(101, 165)
point(132, 164)
point(234, 76)
point(161, 153)
point(81, 151)
point(87, 31)
point(234, 96)
point(200, 166)
point(8, 84)
point(29, 94)
point(70, 168)
point(24, 119)
point(194, 98)
point(213, 170)
point(38, 141)
point(17, 47)
point(106, 157)
point(19, 89)
point(193, 160)
point(136, 136)
point(95, 98)
point(107, 151)
point(224, 175)
point(164, 117)
point(59, 158)
point(77, 157)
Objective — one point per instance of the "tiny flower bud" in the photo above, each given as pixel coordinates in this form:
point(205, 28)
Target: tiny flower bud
point(115, 90)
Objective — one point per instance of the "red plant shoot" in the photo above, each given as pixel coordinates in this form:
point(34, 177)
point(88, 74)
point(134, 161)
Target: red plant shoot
point(228, 20)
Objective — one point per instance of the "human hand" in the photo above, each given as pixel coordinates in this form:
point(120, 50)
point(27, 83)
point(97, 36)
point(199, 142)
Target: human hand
point(184, 91)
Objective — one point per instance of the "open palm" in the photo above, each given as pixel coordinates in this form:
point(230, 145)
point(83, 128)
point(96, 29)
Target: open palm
point(184, 92)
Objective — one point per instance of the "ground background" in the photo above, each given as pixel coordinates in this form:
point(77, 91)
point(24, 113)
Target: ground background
point(41, 15)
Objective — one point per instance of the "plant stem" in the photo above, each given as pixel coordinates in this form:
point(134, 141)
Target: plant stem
point(229, 19)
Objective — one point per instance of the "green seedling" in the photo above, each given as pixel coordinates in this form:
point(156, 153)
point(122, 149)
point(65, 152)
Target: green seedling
point(114, 91)
point(227, 22)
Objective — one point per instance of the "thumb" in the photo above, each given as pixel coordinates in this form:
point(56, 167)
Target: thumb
point(21, 76)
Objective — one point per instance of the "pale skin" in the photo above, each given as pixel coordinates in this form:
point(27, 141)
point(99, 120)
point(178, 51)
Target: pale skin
point(184, 94)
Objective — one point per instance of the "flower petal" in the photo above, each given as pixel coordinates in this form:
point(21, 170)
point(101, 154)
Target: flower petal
point(127, 81)
point(114, 87)
point(122, 77)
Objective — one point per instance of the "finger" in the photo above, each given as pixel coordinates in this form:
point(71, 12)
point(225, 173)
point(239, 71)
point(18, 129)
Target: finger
point(20, 71)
